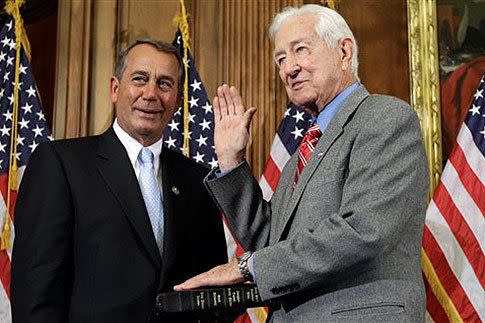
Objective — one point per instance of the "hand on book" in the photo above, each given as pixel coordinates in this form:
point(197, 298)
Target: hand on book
point(227, 274)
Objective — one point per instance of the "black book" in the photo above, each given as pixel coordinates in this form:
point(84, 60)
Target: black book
point(213, 298)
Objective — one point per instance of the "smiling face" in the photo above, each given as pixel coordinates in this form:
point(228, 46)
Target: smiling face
point(312, 72)
point(146, 96)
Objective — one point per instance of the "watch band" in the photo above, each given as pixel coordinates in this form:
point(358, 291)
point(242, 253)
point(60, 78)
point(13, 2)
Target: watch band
point(242, 265)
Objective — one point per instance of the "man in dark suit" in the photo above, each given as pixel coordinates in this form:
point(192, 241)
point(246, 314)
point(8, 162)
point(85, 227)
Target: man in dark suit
point(340, 240)
point(100, 229)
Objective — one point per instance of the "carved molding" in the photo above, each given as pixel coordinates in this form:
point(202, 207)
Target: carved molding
point(424, 80)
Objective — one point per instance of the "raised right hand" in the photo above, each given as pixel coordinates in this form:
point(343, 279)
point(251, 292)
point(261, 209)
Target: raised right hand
point(231, 132)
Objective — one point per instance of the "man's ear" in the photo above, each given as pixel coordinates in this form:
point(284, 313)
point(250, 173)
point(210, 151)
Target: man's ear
point(346, 50)
point(113, 89)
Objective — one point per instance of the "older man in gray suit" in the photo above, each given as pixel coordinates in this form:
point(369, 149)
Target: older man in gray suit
point(341, 238)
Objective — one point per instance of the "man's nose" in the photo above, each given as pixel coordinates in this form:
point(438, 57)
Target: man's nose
point(150, 90)
point(291, 67)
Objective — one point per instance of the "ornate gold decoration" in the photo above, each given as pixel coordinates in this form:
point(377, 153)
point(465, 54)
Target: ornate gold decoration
point(424, 80)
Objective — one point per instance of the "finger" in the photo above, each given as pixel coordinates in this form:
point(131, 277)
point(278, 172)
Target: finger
point(227, 95)
point(248, 116)
point(217, 109)
point(236, 97)
point(222, 101)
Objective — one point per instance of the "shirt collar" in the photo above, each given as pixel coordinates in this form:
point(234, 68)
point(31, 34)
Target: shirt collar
point(327, 113)
point(133, 147)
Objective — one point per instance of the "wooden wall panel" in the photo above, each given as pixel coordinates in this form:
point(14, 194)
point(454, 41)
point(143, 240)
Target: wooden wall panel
point(230, 45)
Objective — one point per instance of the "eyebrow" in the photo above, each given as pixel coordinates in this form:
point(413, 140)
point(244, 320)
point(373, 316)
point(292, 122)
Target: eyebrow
point(292, 44)
point(161, 77)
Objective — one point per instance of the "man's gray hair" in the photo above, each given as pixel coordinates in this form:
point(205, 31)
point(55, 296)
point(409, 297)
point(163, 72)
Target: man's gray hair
point(160, 46)
point(331, 27)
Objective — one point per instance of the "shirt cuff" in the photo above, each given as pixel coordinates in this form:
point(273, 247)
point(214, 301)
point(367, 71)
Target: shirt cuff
point(220, 174)
point(251, 267)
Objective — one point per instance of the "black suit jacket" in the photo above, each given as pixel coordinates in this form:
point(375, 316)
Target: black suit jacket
point(84, 250)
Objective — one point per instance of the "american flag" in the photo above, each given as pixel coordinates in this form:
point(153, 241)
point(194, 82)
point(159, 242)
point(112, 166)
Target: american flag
point(454, 234)
point(32, 130)
point(201, 117)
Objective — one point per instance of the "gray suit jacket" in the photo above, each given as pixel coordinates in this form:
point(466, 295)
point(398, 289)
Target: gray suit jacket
point(344, 245)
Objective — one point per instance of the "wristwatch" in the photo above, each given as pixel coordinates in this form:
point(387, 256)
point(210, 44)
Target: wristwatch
point(242, 265)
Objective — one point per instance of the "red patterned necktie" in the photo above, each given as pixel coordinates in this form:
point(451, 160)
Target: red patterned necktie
point(307, 147)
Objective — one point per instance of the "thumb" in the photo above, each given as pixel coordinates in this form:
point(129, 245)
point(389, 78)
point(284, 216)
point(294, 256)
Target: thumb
point(248, 116)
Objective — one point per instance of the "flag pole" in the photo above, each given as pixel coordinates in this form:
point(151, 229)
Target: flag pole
point(181, 21)
point(12, 7)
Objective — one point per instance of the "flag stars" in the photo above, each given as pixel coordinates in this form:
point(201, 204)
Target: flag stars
point(297, 132)
point(8, 115)
point(20, 140)
point(179, 112)
point(37, 131)
point(213, 163)
point(10, 98)
point(5, 77)
point(199, 157)
point(10, 61)
point(475, 109)
point(31, 91)
point(11, 44)
point(2, 147)
point(205, 125)
point(1, 92)
point(207, 108)
point(201, 141)
point(170, 142)
point(5, 130)
point(298, 116)
point(482, 132)
point(33, 146)
point(27, 108)
point(193, 102)
point(479, 94)
point(5, 41)
point(195, 85)
point(9, 24)
point(173, 125)
point(2, 56)
point(287, 113)
point(18, 155)
point(24, 124)
point(19, 86)
point(191, 118)
point(40, 115)
point(23, 69)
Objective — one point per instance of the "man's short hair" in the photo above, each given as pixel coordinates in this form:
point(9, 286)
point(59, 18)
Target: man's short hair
point(160, 46)
point(331, 27)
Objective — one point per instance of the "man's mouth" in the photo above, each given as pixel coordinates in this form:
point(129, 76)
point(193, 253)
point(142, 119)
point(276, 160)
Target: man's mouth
point(296, 85)
point(150, 111)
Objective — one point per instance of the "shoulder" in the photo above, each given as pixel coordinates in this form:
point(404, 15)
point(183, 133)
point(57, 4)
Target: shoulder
point(67, 148)
point(381, 110)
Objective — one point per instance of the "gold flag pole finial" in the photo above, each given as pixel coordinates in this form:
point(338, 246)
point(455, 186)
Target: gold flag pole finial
point(181, 22)
point(12, 7)
point(330, 4)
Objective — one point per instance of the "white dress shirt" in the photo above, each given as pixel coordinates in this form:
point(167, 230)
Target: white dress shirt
point(133, 148)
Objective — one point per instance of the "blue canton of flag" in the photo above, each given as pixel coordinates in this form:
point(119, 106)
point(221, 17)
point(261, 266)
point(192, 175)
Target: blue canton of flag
point(201, 118)
point(475, 119)
point(293, 127)
point(32, 125)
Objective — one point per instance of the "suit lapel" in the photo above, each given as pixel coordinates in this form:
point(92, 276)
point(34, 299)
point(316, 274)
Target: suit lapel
point(330, 135)
point(116, 170)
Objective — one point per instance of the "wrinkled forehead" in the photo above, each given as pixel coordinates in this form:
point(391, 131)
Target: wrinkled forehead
point(295, 29)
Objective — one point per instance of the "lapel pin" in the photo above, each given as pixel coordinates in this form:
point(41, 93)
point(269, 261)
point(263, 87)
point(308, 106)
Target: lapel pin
point(175, 190)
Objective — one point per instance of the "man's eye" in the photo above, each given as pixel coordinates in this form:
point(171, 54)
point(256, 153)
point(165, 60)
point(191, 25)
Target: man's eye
point(166, 84)
point(301, 49)
point(280, 60)
point(138, 79)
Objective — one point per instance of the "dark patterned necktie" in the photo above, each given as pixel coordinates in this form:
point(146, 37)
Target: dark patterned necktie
point(307, 147)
